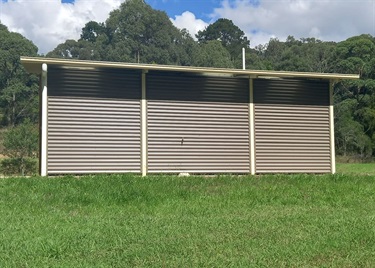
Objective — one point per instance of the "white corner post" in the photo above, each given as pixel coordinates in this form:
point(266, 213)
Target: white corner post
point(144, 126)
point(251, 126)
point(44, 123)
point(332, 128)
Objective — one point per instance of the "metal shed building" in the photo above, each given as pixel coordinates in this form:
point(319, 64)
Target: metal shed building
point(107, 117)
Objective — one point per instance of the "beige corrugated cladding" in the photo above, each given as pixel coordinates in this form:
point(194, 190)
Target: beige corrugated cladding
point(107, 117)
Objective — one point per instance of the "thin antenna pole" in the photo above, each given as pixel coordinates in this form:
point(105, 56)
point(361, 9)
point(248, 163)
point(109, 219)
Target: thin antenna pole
point(243, 59)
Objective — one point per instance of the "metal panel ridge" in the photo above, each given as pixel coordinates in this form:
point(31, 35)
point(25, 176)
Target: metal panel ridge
point(197, 125)
point(292, 127)
point(93, 127)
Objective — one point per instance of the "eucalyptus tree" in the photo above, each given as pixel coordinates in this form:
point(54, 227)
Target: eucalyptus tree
point(146, 35)
point(212, 54)
point(356, 55)
point(231, 37)
point(134, 32)
point(18, 90)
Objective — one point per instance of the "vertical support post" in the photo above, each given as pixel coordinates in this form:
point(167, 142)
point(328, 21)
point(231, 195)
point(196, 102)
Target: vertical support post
point(332, 128)
point(252, 126)
point(44, 122)
point(144, 126)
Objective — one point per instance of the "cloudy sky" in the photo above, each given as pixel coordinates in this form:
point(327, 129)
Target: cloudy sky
point(50, 22)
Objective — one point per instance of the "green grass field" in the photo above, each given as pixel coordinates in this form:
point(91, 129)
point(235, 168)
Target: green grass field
point(356, 168)
point(170, 221)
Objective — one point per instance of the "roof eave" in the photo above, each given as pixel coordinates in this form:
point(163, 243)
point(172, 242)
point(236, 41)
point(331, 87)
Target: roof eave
point(34, 65)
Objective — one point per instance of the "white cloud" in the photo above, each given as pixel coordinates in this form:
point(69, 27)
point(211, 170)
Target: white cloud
point(328, 20)
point(188, 21)
point(49, 22)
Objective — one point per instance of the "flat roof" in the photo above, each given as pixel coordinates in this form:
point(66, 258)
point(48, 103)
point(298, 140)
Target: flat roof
point(34, 65)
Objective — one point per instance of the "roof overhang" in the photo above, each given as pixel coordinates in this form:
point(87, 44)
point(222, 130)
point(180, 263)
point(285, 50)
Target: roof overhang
point(34, 65)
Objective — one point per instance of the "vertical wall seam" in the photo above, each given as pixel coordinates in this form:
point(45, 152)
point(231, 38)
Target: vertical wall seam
point(252, 127)
point(144, 126)
point(44, 124)
point(332, 127)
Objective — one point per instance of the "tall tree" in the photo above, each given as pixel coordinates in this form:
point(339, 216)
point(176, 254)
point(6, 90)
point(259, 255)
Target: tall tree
point(230, 36)
point(72, 49)
point(18, 90)
point(133, 33)
point(212, 54)
point(147, 34)
point(272, 53)
point(305, 55)
point(92, 31)
point(357, 55)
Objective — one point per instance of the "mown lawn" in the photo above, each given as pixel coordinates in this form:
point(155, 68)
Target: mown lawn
point(356, 168)
point(170, 221)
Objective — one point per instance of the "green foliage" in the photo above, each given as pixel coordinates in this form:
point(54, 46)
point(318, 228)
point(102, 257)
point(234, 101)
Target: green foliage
point(18, 90)
point(305, 55)
point(357, 123)
point(137, 33)
point(212, 54)
point(16, 166)
point(133, 33)
point(20, 144)
point(166, 221)
point(21, 141)
point(350, 139)
point(355, 55)
point(72, 49)
point(146, 35)
point(231, 37)
point(92, 31)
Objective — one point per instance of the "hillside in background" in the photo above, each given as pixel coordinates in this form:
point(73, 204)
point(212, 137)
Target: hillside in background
point(137, 33)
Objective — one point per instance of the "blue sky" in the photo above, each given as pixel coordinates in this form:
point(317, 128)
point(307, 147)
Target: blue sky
point(201, 8)
point(51, 22)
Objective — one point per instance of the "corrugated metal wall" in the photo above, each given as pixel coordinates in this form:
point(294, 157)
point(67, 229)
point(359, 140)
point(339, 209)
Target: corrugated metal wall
point(93, 121)
point(291, 126)
point(197, 124)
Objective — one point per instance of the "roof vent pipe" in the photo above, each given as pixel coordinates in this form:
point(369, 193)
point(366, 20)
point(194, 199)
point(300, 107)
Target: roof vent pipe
point(243, 59)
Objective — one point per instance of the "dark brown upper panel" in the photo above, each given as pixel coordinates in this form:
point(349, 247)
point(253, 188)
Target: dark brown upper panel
point(174, 86)
point(291, 91)
point(94, 83)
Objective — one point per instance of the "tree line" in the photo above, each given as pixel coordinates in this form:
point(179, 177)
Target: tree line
point(137, 33)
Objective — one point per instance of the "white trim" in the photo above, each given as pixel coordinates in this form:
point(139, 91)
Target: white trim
point(32, 64)
point(44, 122)
point(332, 128)
point(144, 126)
point(252, 126)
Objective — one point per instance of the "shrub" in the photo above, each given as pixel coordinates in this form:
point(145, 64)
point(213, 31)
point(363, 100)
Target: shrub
point(26, 166)
point(21, 146)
